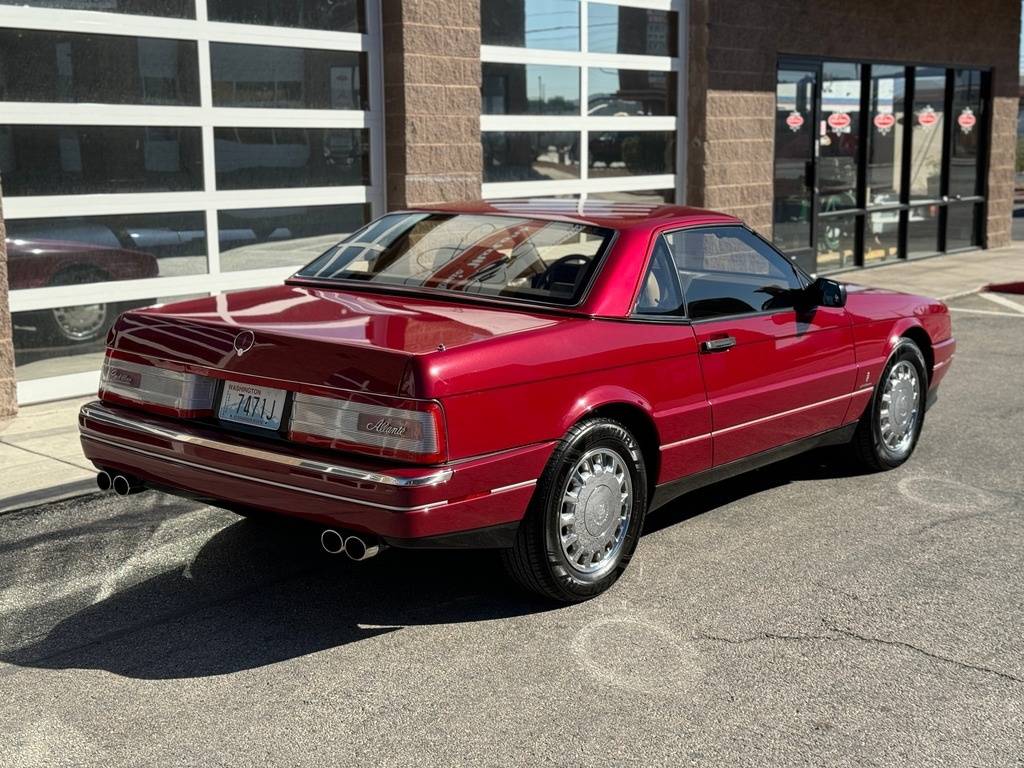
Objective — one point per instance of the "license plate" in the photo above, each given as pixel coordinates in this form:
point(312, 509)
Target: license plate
point(252, 405)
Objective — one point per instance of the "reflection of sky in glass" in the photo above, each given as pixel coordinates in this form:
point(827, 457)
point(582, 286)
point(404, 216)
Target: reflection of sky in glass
point(603, 28)
point(546, 83)
point(552, 24)
point(603, 81)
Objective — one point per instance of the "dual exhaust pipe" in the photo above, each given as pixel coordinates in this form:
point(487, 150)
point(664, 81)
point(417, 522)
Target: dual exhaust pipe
point(354, 547)
point(121, 484)
point(333, 542)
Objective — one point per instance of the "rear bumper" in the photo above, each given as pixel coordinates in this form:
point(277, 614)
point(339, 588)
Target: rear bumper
point(465, 503)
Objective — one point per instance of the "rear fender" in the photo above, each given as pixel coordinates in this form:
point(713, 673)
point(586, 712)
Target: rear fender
point(600, 397)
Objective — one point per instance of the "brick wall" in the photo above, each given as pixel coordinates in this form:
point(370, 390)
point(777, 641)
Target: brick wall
point(432, 100)
point(734, 47)
point(8, 393)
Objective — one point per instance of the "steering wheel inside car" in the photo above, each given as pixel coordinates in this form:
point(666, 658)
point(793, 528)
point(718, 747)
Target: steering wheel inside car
point(551, 275)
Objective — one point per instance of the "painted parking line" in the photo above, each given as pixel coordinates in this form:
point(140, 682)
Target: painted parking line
point(986, 312)
point(1003, 301)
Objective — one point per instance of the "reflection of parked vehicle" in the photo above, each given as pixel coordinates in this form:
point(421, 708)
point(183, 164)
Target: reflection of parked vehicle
point(41, 263)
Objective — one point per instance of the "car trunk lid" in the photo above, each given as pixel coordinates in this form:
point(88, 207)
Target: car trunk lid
point(298, 337)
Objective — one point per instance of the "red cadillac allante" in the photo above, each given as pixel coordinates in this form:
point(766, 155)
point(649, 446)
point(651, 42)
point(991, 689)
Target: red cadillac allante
point(532, 377)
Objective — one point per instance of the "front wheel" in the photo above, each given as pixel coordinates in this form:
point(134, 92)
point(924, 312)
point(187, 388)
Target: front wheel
point(889, 429)
point(586, 516)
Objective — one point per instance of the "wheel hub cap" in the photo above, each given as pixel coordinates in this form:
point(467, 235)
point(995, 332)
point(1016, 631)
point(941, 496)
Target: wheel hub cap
point(596, 506)
point(81, 322)
point(898, 415)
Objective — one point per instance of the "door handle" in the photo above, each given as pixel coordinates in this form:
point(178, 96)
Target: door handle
point(718, 345)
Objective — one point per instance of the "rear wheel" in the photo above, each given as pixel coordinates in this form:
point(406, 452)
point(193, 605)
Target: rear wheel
point(889, 429)
point(586, 516)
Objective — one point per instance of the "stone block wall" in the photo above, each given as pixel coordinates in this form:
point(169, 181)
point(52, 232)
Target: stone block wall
point(8, 389)
point(734, 48)
point(432, 101)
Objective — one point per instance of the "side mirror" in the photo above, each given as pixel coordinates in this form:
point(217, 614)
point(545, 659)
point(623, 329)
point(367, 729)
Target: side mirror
point(826, 293)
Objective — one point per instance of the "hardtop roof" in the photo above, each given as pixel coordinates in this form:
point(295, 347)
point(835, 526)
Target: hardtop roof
point(609, 214)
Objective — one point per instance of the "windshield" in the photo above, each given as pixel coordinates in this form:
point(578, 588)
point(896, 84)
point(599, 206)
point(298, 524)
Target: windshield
point(502, 256)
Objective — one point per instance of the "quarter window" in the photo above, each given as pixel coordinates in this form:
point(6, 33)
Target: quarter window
point(730, 271)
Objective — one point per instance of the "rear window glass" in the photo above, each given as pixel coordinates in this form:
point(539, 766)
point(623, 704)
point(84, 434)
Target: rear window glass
point(500, 256)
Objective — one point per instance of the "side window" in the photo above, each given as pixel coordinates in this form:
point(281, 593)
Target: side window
point(730, 271)
point(659, 292)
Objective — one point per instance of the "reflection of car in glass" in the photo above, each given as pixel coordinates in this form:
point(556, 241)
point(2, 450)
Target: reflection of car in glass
point(531, 377)
point(649, 153)
point(609, 105)
point(89, 254)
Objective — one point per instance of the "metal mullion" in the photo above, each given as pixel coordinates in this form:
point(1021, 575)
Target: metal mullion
point(177, 116)
point(43, 206)
point(501, 54)
point(286, 37)
point(584, 134)
point(97, 22)
point(861, 218)
point(209, 153)
point(29, 299)
point(682, 102)
point(174, 28)
point(576, 186)
point(947, 156)
point(816, 113)
point(377, 193)
point(576, 122)
point(654, 5)
point(984, 150)
point(905, 164)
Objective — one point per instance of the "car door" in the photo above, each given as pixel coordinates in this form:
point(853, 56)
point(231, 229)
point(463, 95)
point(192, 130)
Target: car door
point(773, 375)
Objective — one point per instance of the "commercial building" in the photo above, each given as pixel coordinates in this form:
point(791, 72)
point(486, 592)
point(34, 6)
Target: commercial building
point(153, 149)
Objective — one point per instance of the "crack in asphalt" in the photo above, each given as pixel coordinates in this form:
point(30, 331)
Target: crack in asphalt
point(929, 654)
point(840, 633)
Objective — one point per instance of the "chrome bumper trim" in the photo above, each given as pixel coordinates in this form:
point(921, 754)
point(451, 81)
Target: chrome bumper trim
point(138, 424)
point(249, 478)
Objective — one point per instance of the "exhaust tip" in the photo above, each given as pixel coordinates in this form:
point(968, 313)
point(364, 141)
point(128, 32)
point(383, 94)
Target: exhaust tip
point(332, 542)
point(121, 485)
point(104, 481)
point(125, 485)
point(359, 549)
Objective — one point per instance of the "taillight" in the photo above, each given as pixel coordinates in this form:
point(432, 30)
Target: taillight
point(176, 392)
point(409, 429)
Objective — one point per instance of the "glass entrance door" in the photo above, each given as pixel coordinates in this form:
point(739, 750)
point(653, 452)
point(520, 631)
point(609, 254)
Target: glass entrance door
point(796, 96)
point(963, 213)
point(875, 162)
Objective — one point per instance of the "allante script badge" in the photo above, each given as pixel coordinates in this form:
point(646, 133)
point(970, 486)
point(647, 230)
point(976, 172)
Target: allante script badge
point(385, 427)
point(123, 377)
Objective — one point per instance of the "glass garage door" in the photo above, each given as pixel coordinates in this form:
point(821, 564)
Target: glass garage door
point(156, 150)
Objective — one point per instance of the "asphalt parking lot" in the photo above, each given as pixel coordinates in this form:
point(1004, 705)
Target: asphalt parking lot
point(801, 615)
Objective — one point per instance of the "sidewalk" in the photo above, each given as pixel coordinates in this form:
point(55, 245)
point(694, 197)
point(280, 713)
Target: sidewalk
point(945, 277)
point(40, 457)
point(41, 460)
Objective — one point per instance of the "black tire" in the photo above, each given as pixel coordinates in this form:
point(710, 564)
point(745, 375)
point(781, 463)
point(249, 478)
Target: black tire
point(868, 447)
point(537, 560)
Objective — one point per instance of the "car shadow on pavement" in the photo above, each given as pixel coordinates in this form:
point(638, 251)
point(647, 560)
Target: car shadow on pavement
point(257, 593)
point(261, 592)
